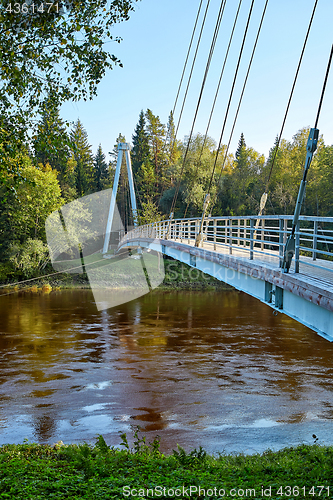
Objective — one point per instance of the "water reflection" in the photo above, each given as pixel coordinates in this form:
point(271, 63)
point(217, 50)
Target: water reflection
point(199, 368)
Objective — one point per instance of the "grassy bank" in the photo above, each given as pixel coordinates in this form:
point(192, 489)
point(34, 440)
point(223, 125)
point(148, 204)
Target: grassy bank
point(177, 276)
point(32, 471)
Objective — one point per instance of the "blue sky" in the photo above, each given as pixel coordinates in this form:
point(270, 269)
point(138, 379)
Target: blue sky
point(153, 51)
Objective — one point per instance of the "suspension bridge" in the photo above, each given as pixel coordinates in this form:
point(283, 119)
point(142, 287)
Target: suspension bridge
point(285, 261)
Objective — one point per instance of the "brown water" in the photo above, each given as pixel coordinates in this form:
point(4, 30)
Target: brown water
point(216, 369)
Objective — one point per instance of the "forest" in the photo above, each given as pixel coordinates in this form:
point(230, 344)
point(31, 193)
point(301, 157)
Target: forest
point(58, 166)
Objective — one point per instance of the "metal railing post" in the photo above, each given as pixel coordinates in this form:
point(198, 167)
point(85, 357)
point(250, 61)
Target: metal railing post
point(285, 230)
point(297, 240)
point(281, 241)
point(230, 236)
point(262, 237)
point(315, 232)
point(251, 238)
point(214, 230)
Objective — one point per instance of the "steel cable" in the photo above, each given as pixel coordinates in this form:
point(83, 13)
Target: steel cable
point(212, 47)
point(231, 94)
point(214, 102)
point(240, 99)
point(290, 98)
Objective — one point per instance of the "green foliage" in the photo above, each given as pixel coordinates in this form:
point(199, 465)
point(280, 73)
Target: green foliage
point(22, 220)
point(59, 53)
point(146, 180)
point(179, 275)
point(154, 156)
point(241, 186)
point(156, 136)
point(51, 141)
point(23, 215)
point(83, 157)
point(287, 174)
point(241, 148)
point(140, 152)
point(191, 459)
point(89, 472)
point(149, 212)
point(28, 258)
point(101, 171)
point(139, 444)
point(49, 49)
point(171, 143)
point(12, 157)
point(197, 174)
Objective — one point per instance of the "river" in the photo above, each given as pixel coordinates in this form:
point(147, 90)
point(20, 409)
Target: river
point(212, 368)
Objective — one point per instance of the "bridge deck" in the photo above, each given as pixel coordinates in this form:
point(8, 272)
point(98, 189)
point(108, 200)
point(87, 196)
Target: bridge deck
point(312, 283)
point(308, 270)
point(319, 280)
point(235, 252)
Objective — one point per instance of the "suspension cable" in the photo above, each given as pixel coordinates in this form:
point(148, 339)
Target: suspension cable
point(185, 65)
point(189, 78)
point(212, 47)
point(289, 101)
point(187, 56)
point(240, 101)
point(231, 94)
point(191, 72)
point(213, 105)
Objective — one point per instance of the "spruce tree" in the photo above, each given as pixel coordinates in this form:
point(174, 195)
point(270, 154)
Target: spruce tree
point(241, 147)
point(156, 134)
point(84, 159)
point(101, 170)
point(140, 150)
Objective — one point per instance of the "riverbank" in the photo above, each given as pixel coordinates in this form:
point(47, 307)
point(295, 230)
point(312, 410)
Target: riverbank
point(178, 276)
point(32, 471)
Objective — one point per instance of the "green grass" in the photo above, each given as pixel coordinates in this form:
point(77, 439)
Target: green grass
point(129, 272)
point(32, 471)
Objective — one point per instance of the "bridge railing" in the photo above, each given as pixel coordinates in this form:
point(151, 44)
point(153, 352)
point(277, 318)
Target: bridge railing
point(252, 237)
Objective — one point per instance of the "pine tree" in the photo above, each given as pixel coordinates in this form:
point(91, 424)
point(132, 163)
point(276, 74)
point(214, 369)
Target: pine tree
point(84, 159)
point(101, 171)
point(140, 150)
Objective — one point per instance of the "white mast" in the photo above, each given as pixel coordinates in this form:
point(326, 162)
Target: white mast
point(122, 146)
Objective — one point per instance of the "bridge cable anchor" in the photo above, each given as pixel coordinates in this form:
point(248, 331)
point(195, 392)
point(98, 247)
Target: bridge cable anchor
point(199, 237)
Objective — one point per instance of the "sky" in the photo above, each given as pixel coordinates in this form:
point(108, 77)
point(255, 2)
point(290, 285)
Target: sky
point(153, 51)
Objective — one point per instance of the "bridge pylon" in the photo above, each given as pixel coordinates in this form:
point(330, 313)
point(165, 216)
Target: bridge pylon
point(123, 147)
